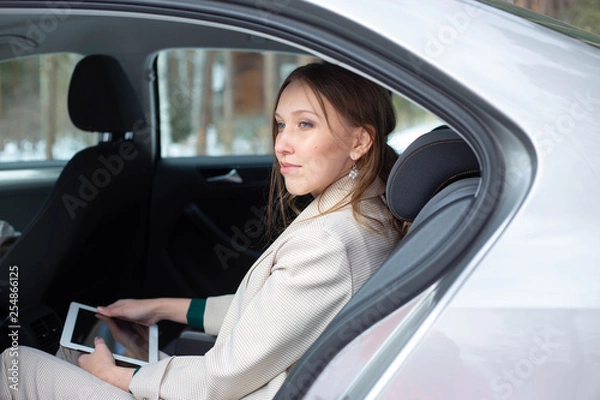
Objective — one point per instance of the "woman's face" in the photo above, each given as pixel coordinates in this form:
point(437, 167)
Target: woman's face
point(311, 153)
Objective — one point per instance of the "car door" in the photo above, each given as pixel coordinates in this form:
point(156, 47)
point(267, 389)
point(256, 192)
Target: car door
point(23, 189)
point(206, 224)
point(213, 173)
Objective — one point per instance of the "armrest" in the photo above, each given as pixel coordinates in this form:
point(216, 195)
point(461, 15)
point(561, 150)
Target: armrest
point(193, 342)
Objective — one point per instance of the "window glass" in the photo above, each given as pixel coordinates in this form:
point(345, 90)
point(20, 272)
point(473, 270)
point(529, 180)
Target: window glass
point(34, 119)
point(220, 102)
point(412, 121)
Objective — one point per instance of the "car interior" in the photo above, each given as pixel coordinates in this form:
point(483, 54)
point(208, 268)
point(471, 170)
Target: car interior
point(100, 188)
point(142, 226)
point(120, 219)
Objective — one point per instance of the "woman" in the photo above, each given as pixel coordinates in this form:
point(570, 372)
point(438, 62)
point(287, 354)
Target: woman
point(329, 129)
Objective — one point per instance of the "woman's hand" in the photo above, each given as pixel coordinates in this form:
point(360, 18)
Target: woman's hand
point(149, 311)
point(145, 311)
point(101, 363)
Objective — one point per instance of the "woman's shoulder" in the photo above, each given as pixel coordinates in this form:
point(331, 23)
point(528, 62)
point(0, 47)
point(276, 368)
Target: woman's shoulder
point(333, 214)
point(344, 222)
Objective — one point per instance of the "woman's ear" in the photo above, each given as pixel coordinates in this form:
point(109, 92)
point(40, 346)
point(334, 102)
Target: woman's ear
point(363, 140)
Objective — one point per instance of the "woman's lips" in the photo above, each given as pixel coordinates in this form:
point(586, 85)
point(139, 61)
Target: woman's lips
point(288, 167)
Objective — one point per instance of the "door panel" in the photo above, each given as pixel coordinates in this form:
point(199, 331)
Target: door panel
point(206, 230)
point(23, 191)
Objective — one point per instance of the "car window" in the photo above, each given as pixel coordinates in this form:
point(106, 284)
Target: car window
point(220, 102)
point(34, 119)
point(412, 121)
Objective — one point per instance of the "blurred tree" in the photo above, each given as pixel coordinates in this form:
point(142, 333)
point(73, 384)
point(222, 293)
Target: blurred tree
point(226, 133)
point(48, 101)
point(33, 105)
point(178, 95)
point(586, 15)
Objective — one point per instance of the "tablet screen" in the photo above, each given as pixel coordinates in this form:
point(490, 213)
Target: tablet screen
point(130, 339)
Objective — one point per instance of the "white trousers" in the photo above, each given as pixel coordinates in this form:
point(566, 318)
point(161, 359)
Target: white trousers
point(30, 374)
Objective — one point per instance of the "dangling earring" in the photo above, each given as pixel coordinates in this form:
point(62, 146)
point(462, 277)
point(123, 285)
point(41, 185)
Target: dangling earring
point(353, 172)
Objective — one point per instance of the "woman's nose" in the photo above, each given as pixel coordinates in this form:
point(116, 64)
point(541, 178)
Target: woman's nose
point(282, 143)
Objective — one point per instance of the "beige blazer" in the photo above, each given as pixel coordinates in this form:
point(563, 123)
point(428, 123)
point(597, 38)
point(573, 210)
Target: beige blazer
point(282, 305)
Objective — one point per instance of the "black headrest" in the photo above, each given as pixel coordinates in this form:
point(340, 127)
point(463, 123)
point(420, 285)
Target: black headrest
point(428, 165)
point(101, 97)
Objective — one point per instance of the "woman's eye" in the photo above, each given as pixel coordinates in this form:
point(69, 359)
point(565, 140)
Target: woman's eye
point(305, 124)
point(280, 126)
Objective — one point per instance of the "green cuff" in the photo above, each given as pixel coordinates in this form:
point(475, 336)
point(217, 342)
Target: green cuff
point(195, 314)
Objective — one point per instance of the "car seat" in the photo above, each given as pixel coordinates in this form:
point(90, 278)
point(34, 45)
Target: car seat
point(433, 184)
point(87, 242)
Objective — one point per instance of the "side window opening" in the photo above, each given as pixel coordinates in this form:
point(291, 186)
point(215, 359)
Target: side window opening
point(220, 102)
point(34, 118)
point(412, 121)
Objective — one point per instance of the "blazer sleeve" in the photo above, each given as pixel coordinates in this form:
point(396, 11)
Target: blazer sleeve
point(310, 281)
point(214, 313)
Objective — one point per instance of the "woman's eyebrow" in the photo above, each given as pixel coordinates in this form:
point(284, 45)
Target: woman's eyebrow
point(297, 112)
point(302, 111)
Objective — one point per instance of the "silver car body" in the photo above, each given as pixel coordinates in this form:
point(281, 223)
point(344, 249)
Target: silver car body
point(517, 314)
point(521, 319)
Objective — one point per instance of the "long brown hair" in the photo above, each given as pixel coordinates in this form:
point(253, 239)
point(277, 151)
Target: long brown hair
point(363, 104)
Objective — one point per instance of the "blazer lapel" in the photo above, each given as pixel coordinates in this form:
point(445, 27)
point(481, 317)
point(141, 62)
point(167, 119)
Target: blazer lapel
point(338, 191)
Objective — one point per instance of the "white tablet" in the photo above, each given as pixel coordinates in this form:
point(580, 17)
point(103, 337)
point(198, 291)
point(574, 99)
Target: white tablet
point(130, 342)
